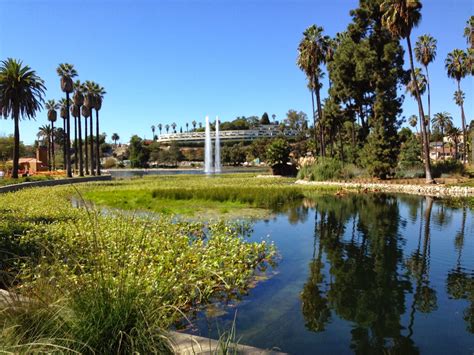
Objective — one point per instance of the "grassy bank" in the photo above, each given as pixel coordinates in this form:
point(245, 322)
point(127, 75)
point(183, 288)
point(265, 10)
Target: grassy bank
point(110, 283)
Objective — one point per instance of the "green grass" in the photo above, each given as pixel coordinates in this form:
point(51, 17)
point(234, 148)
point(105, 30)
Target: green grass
point(9, 181)
point(111, 283)
point(230, 195)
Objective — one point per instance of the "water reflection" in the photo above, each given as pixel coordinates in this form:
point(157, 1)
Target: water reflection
point(368, 278)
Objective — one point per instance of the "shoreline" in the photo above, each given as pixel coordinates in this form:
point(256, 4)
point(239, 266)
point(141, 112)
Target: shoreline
point(421, 190)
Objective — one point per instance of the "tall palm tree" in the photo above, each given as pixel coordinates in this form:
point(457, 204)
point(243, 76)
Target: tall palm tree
point(312, 52)
point(441, 121)
point(66, 72)
point(273, 117)
point(153, 132)
point(200, 124)
point(52, 106)
point(187, 126)
point(412, 121)
point(63, 113)
point(399, 17)
point(173, 125)
point(115, 138)
point(167, 127)
point(45, 133)
point(456, 66)
point(469, 31)
point(21, 95)
point(78, 100)
point(86, 112)
point(425, 53)
point(160, 127)
point(89, 102)
point(194, 124)
point(99, 93)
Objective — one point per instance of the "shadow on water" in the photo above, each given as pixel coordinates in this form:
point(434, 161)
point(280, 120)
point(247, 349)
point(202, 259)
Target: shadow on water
point(365, 274)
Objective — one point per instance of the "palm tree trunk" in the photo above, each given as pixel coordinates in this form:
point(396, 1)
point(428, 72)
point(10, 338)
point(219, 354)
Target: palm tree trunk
point(320, 116)
point(426, 147)
point(85, 146)
point(97, 146)
point(64, 145)
point(53, 156)
point(49, 151)
point(314, 123)
point(464, 131)
point(68, 140)
point(81, 161)
point(429, 102)
point(442, 143)
point(92, 143)
point(76, 160)
point(16, 148)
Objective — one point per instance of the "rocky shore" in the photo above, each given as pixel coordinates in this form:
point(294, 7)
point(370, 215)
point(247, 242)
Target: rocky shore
point(424, 190)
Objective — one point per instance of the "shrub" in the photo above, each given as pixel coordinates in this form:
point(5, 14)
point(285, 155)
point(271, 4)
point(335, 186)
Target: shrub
point(110, 163)
point(325, 169)
point(448, 166)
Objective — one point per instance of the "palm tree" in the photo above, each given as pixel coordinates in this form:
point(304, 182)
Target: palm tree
point(173, 125)
point(153, 132)
point(21, 95)
point(160, 127)
point(399, 17)
point(456, 66)
point(45, 133)
point(312, 52)
point(63, 113)
point(115, 138)
point(412, 121)
point(89, 102)
point(52, 106)
point(273, 117)
point(454, 133)
point(66, 72)
point(200, 124)
point(194, 124)
point(86, 112)
point(441, 121)
point(187, 125)
point(99, 93)
point(420, 80)
point(425, 53)
point(469, 31)
point(78, 100)
point(167, 127)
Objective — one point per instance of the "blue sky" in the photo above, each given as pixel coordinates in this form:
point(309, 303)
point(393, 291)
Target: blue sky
point(178, 61)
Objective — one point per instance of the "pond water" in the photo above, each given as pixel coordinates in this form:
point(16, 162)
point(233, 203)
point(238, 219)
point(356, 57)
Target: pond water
point(128, 173)
point(368, 274)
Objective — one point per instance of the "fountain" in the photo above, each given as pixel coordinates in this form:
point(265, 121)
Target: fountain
point(208, 149)
point(217, 154)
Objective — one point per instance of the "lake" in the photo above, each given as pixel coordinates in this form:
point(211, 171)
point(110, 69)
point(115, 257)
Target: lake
point(364, 274)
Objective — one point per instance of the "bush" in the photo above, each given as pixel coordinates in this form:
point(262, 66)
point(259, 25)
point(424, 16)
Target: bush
point(110, 163)
point(449, 166)
point(324, 169)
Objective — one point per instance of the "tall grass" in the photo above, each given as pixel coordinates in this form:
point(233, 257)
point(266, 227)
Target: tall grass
point(115, 284)
point(265, 197)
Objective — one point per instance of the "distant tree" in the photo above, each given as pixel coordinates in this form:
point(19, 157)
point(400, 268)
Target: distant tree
point(160, 127)
point(442, 120)
point(265, 119)
point(421, 81)
point(273, 118)
point(66, 73)
point(167, 127)
point(412, 121)
point(45, 133)
point(457, 68)
point(21, 95)
point(296, 120)
point(52, 106)
point(7, 146)
point(187, 127)
point(425, 53)
point(115, 138)
point(173, 125)
point(153, 132)
point(139, 154)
